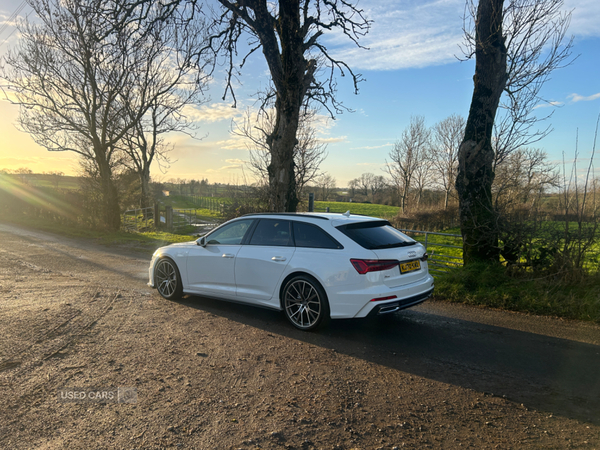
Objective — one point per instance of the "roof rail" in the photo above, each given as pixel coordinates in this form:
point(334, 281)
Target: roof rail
point(314, 216)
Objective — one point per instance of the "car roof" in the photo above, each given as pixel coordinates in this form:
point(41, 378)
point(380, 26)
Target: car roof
point(337, 219)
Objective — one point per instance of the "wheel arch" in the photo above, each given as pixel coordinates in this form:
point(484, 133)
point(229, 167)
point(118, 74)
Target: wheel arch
point(165, 256)
point(294, 274)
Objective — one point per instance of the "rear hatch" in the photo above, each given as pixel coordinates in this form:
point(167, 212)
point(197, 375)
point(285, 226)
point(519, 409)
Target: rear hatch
point(390, 244)
point(410, 269)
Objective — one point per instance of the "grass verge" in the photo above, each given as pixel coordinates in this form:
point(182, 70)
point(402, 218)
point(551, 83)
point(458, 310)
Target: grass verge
point(144, 242)
point(489, 285)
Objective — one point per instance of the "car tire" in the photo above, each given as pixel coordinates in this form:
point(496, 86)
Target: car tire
point(305, 303)
point(168, 280)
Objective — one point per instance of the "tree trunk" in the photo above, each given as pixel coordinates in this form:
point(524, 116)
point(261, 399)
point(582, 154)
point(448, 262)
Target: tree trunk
point(282, 181)
point(145, 187)
point(292, 74)
point(404, 198)
point(402, 201)
point(111, 211)
point(476, 156)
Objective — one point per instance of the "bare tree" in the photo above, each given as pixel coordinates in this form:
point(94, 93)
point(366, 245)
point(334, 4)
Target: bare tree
point(167, 77)
point(423, 174)
point(55, 176)
point(353, 186)
point(407, 155)
point(67, 82)
point(289, 33)
point(309, 152)
point(24, 173)
point(369, 185)
point(378, 184)
point(516, 45)
point(535, 32)
point(522, 178)
point(515, 126)
point(363, 183)
point(326, 184)
point(447, 136)
point(79, 79)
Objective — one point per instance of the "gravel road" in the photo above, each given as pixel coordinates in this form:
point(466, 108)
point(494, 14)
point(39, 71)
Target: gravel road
point(204, 374)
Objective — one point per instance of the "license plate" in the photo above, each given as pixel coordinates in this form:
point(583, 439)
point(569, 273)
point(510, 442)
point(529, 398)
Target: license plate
point(410, 266)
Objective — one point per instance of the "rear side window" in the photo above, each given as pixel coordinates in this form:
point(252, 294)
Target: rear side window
point(376, 235)
point(272, 232)
point(311, 236)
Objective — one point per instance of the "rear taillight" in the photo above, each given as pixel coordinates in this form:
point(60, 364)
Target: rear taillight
point(363, 266)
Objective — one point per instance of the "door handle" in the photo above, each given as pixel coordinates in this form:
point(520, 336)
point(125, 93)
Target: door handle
point(227, 255)
point(278, 258)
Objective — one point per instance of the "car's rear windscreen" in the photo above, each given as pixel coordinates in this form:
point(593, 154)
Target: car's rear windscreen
point(374, 235)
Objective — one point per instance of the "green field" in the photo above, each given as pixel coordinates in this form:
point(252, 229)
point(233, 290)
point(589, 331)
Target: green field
point(208, 208)
point(48, 181)
point(442, 250)
point(211, 206)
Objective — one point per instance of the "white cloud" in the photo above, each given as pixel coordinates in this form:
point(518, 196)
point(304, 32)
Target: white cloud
point(585, 17)
point(580, 98)
point(407, 34)
point(373, 147)
point(235, 161)
point(10, 162)
point(333, 140)
point(233, 166)
point(548, 105)
point(212, 113)
point(235, 142)
point(322, 123)
point(223, 169)
point(415, 33)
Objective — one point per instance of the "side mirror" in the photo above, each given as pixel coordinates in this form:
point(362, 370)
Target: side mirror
point(201, 241)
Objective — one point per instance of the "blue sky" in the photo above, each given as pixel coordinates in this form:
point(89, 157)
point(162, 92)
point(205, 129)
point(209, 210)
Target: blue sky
point(410, 69)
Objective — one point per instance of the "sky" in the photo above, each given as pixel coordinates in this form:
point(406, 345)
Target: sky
point(411, 69)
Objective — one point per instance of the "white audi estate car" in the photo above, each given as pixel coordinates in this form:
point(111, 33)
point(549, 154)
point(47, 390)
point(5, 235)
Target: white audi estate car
point(311, 266)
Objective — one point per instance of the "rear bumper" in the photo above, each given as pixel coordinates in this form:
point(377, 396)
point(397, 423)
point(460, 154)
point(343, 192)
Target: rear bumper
point(397, 305)
point(357, 303)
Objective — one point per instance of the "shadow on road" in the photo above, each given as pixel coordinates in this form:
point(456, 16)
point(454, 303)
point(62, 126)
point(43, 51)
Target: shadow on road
point(544, 373)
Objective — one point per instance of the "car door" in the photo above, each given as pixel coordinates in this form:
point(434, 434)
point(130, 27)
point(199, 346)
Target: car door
point(260, 263)
point(211, 268)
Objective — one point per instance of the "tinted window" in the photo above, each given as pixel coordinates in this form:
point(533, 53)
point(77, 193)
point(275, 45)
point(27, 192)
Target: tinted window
point(230, 234)
point(375, 235)
point(308, 235)
point(272, 232)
